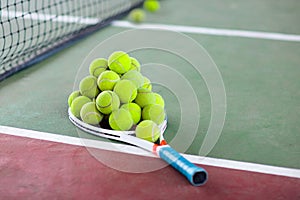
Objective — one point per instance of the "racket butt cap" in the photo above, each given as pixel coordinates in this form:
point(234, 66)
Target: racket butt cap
point(199, 178)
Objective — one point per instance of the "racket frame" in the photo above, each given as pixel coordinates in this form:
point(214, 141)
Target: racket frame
point(196, 175)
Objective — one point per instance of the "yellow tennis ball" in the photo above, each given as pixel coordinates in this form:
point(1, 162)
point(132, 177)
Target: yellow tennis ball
point(137, 15)
point(135, 111)
point(154, 112)
point(88, 87)
point(135, 64)
point(98, 66)
point(159, 100)
point(144, 97)
point(72, 96)
point(90, 114)
point(147, 84)
point(134, 76)
point(120, 120)
point(147, 130)
point(77, 104)
point(151, 5)
point(107, 80)
point(126, 90)
point(107, 101)
point(119, 62)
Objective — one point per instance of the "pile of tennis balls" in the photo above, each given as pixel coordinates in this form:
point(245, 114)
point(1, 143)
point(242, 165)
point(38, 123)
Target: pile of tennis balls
point(117, 96)
point(138, 15)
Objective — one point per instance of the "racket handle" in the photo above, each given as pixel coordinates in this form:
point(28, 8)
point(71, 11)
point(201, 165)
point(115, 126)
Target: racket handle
point(196, 175)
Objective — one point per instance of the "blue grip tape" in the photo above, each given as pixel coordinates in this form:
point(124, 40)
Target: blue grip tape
point(196, 175)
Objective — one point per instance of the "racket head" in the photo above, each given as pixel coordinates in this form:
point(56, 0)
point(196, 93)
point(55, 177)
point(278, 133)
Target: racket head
point(108, 133)
point(116, 155)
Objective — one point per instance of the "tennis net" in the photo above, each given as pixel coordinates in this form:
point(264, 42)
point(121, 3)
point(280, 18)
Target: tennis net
point(32, 30)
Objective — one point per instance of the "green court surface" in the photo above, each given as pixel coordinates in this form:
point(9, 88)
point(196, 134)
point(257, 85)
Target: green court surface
point(261, 79)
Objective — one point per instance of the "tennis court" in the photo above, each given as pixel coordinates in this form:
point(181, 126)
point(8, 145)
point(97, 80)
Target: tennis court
point(255, 46)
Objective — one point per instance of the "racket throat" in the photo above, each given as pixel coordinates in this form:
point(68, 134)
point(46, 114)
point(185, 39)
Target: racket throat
point(156, 146)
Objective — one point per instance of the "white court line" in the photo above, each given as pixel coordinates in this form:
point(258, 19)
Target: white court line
point(212, 31)
point(45, 17)
point(183, 29)
point(245, 166)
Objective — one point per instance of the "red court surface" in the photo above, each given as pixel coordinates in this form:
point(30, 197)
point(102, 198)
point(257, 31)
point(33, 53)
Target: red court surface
point(37, 169)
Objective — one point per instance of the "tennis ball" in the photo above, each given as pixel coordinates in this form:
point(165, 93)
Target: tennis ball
point(120, 120)
point(88, 87)
point(159, 100)
point(107, 80)
point(89, 114)
point(134, 76)
point(147, 84)
point(107, 101)
point(137, 15)
point(135, 65)
point(147, 130)
point(151, 5)
point(119, 62)
point(98, 66)
point(144, 97)
point(154, 112)
point(77, 104)
point(135, 111)
point(126, 91)
point(72, 96)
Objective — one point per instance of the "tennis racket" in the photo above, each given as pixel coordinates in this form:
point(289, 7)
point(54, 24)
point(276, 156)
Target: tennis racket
point(197, 176)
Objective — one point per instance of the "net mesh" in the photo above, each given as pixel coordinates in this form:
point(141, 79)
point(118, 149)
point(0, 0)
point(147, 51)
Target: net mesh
point(31, 30)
